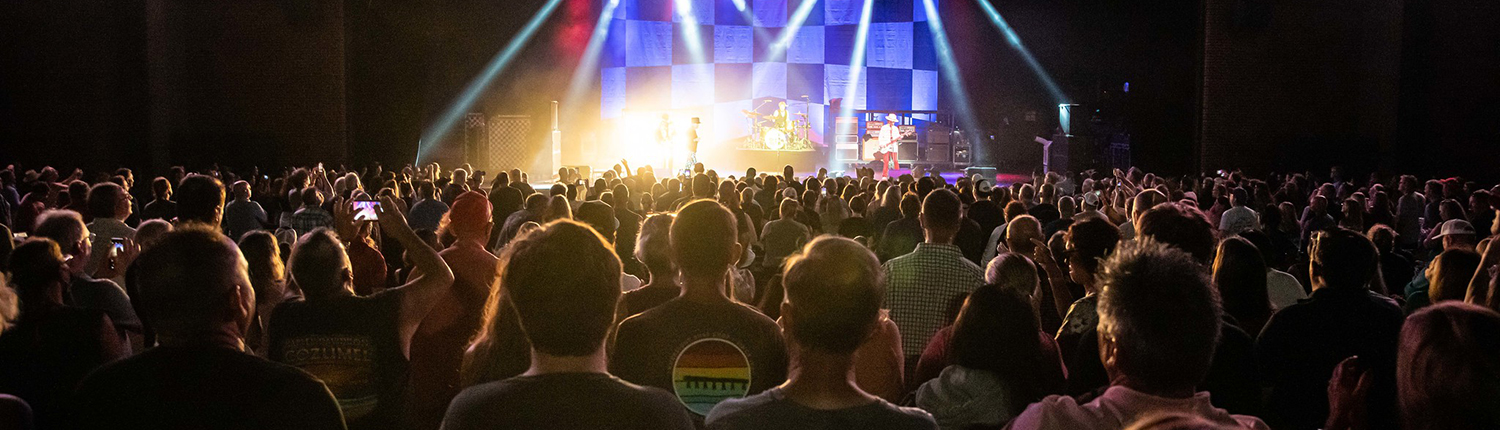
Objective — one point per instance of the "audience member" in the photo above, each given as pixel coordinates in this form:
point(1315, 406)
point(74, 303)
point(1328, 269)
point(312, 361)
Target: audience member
point(358, 345)
point(197, 296)
point(901, 236)
point(73, 237)
point(52, 346)
point(311, 215)
point(564, 283)
point(243, 215)
point(1301, 344)
point(923, 281)
point(427, 211)
point(1158, 323)
point(833, 297)
point(654, 249)
point(161, 205)
point(673, 344)
point(1237, 273)
point(200, 199)
point(784, 235)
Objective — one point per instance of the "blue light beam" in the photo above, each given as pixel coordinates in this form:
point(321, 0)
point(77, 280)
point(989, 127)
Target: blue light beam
point(690, 31)
point(857, 60)
point(792, 27)
point(1015, 42)
point(949, 65)
point(436, 132)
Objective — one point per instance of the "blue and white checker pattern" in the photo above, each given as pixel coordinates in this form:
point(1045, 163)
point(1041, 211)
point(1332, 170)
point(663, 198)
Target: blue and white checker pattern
point(648, 66)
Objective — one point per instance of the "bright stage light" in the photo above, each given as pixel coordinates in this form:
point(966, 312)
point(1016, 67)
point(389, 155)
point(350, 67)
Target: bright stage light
point(1015, 42)
point(437, 131)
point(584, 75)
point(857, 60)
point(690, 31)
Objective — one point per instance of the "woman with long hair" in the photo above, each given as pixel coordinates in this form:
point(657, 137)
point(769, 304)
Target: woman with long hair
point(267, 278)
point(1240, 275)
point(999, 363)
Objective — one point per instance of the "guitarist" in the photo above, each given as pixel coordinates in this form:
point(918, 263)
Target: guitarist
point(889, 141)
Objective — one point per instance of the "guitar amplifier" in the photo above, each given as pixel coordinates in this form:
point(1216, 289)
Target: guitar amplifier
point(846, 147)
point(937, 153)
point(908, 153)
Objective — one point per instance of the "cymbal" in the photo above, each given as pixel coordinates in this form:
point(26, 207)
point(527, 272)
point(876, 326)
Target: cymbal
point(750, 114)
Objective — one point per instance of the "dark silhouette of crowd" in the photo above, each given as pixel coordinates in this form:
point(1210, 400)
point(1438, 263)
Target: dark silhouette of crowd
point(425, 298)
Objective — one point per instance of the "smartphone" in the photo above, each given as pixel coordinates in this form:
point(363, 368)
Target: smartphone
point(365, 210)
point(19, 236)
point(117, 245)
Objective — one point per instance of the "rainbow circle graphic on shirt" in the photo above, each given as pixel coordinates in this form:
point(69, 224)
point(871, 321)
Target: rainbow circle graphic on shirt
point(709, 371)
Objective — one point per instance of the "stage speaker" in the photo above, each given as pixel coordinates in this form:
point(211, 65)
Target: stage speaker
point(846, 138)
point(513, 144)
point(937, 134)
point(938, 153)
point(909, 152)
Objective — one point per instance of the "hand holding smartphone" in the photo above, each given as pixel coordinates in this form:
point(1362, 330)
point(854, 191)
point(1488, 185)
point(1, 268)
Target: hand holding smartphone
point(366, 210)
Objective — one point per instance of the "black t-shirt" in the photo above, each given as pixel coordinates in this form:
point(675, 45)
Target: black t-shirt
point(702, 352)
point(46, 354)
point(644, 298)
point(565, 401)
point(200, 387)
point(352, 344)
point(856, 227)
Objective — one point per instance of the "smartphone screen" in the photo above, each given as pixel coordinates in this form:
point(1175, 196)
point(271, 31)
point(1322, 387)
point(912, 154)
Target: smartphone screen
point(364, 210)
point(117, 245)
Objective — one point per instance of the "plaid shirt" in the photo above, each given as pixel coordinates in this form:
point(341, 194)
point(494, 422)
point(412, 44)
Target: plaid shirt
point(308, 219)
point(921, 284)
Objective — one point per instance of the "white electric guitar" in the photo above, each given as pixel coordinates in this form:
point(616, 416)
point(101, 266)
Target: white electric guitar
point(883, 147)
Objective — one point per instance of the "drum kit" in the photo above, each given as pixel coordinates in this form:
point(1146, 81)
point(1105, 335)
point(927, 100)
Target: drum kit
point(778, 131)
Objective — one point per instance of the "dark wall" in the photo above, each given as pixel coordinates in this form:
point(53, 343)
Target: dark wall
point(1449, 116)
point(1292, 85)
point(72, 82)
point(246, 82)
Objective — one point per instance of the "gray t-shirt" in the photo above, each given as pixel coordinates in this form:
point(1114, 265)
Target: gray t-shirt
point(772, 410)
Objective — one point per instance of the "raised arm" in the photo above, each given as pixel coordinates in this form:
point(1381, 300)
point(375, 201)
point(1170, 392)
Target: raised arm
point(1062, 299)
point(429, 281)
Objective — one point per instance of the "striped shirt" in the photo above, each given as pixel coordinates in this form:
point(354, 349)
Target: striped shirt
point(921, 284)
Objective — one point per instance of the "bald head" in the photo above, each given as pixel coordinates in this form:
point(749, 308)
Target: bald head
point(193, 279)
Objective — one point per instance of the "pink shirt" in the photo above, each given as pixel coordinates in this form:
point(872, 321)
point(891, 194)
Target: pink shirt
point(1119, 407)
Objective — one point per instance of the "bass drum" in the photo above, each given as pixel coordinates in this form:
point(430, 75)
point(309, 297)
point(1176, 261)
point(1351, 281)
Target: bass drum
point(774, 139)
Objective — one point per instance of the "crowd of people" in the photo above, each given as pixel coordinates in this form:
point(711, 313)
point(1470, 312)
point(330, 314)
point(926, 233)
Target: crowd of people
point(426, 298)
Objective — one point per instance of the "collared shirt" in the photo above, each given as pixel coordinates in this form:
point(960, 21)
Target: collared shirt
point(1238, 219)
point(308, 219)
point(921, 284)
point(1120, 406)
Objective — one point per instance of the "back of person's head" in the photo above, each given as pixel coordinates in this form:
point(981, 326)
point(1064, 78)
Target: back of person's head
point(704, 239)
point(1090, 241)
point(559, 208)
point(319, 265)
point(789, 208)
point(1239, 197)
point(564, 282)
point(469, 217)
point(997, 331)
point(263, 257)
point(64, 227)
point(200, 198)
point(1144, 201)
point(161, 188)
point(1014, 209)
point(425, 189)
point(1182, 226)
point(911, 205)
point(37, 266)
point(654, 246)
point(1341, 258)
point(537, 202)
point(703, 186)
point(1158, 315)
point(601, 217)
point(941, 211)
point(1448, 368)
point(1449, 273)
point(151, 231)
point(834, 288)
point(311, 197)
point(194, 279)
point(104, 200)
point(1239, 272)
point(1020, 231)
point(1383, 237)
point(1013, 271)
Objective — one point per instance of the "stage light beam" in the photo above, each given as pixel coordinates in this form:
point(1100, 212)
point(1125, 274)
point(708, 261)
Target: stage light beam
point(949, 65)
point(1015, 42)
point(857, 59)
point(583, 75)
point(690, 31)
point(439, 130)
point(792, 27)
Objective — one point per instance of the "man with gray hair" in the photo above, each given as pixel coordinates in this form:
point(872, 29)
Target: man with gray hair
point(67, 229)
point(1159, 319)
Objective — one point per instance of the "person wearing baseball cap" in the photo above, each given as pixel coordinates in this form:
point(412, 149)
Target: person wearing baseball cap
point(437, 347)
point(1453, 234)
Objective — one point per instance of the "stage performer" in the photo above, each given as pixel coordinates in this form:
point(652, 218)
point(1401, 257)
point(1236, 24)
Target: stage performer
point(664, 142)
point(890, 142)
point(692, 146)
